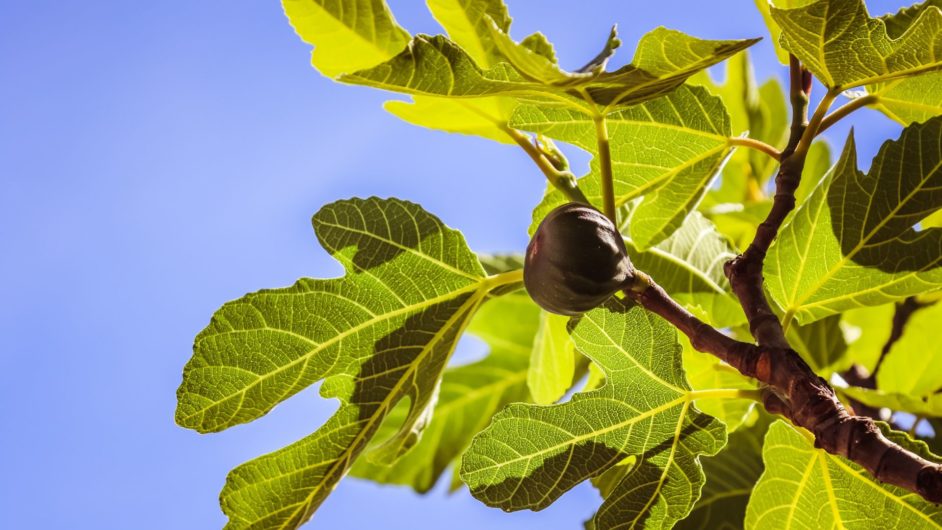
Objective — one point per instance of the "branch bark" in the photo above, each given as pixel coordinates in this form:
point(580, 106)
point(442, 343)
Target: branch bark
point(799, 394)
point(793, 389)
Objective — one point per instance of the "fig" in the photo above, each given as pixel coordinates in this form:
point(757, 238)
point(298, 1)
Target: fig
point(575, 261)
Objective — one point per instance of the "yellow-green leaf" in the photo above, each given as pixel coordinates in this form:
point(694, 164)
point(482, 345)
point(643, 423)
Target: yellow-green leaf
point(552, 360)
point(347, 36)
point(804, 487)
point(531, 454)
point(845, 47)
point(852, 243)
point(469, 396)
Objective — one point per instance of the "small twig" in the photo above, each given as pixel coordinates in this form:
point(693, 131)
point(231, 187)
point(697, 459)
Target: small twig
point(846, 109)
point(901, 315)
point(605, 168)
point(799, 394)
point(758, 145)
point(564, 181)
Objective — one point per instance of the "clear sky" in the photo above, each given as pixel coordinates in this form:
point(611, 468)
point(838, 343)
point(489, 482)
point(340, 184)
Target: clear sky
point(160, 158)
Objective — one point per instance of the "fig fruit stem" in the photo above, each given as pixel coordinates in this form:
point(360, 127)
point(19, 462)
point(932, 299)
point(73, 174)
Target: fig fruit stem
point(605, 168)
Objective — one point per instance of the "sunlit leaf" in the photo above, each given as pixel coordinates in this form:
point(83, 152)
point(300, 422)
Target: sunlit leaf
point(908, 100)
point(375, 334)
point(689, 265)
point(804, 487)
point(468, 397)
point(705, 371)
point(817, 164)
point(530, 455)
point(913, 365)
point(667, 150)
point(730, 477)
point(926, 406)
point(821, 343)
point(759, 112)
point(764, 7)
point(436, 66)
point(853, 243)
point(867, 330)
point(844, 47)
point(345, 39)
point(552, 361)
point(468, 25)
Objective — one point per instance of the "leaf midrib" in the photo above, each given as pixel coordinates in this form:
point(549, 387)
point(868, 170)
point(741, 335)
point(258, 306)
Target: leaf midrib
point(393, 396)
point(863, 243)
point(318, 347)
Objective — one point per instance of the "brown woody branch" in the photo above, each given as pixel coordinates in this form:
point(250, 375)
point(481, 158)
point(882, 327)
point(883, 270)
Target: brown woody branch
point(799, 394)
point(793, 390)
point(745, 271)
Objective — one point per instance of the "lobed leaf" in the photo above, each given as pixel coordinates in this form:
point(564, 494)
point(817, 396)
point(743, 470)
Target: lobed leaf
point(437, 66)
point(346, 36)
point(804, 487)
point(531, 454)
point(844, 47)
point(377, 335)
point(468, 397)
point(852, 243)
point(666, 150)
point(731, 476)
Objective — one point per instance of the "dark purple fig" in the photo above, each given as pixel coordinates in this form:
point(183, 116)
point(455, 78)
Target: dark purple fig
point(575, 261)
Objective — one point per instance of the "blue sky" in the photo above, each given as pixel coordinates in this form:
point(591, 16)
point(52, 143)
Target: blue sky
point(160, 158)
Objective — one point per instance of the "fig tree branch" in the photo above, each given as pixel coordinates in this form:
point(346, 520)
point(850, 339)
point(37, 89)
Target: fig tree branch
point(745, 271)
point(564, 181)
point(796, 392)
point(758, 145)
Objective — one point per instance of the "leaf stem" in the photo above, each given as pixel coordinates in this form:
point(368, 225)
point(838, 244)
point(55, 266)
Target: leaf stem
point(564, 181)
point(846, 109)
point(758, 145)
point(605, 167)
point(754, 394)
point(504, 278)
point(815, 124)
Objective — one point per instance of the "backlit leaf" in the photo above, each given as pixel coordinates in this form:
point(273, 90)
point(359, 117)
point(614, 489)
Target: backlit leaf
point(346, 37)
point(913, 365)
point(853, 243)
point(804, 487)
point(376, 336)
point(667, 151)
point(468, 397)
point(844, 47)
point(821, 343)
point(908, 100)
point(530, 455)
point(730, 477)
point(552, 361)
point(437, 66)
point(689, 265)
